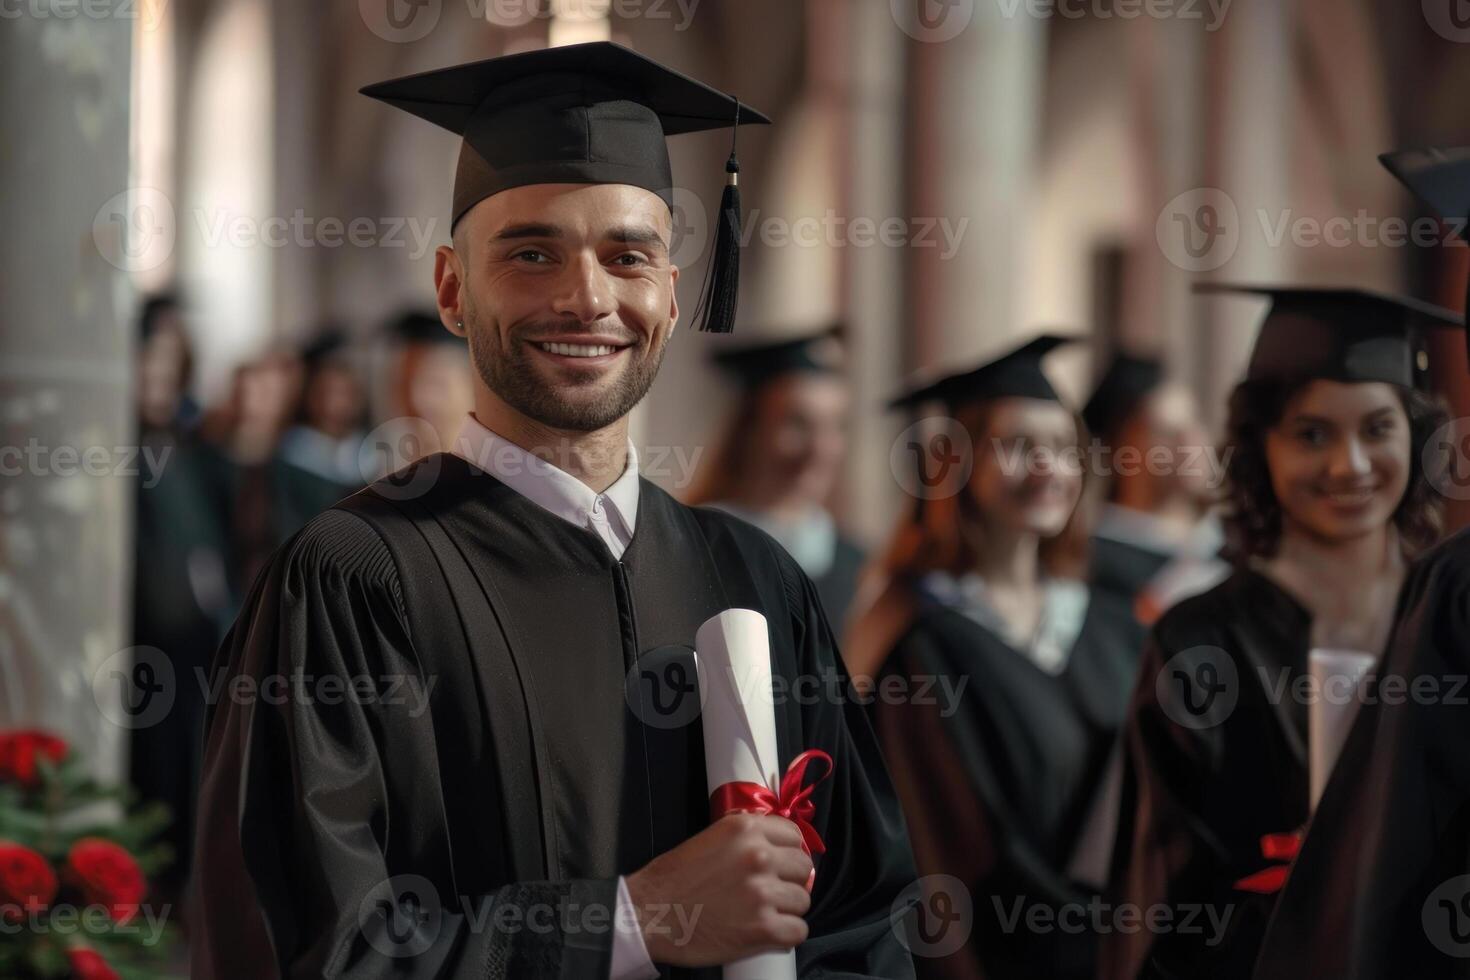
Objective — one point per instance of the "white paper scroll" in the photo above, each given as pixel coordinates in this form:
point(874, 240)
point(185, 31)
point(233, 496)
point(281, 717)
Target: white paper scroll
point(732, 651)
point(1336, 677)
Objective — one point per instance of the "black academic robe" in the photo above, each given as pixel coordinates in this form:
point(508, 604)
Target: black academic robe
point(998, 785)
point(1122, 567)
point(1378, 891)
point(528, 782)
point(1215, 760)
point(838, 584)
point(179, 596)
point(264, 503)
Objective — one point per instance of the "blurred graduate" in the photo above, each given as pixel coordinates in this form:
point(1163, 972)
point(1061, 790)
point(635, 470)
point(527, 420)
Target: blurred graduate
point(780, 459)
point(1327, 503)
point(1017, 673)
point(1154, 541)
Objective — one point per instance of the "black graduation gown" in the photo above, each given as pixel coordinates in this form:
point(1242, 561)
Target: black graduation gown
point(1199, 797)
point(997, 794)
point(1373, 892)
point(179, 543)
point(838, 584)
point(264, 504)
point(1124, 568)
point(529, 782)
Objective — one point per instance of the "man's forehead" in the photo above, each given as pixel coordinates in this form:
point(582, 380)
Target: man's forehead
point(581, 210)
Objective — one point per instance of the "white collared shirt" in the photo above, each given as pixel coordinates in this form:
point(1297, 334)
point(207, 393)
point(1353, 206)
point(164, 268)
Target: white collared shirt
point(612, 515)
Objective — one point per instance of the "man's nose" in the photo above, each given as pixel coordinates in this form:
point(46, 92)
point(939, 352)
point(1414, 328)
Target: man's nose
point(583, 291)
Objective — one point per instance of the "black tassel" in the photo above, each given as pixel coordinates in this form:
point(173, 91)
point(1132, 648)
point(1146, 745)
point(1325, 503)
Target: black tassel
point(715, 311)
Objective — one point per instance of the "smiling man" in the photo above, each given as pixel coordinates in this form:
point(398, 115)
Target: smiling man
point(548, 815)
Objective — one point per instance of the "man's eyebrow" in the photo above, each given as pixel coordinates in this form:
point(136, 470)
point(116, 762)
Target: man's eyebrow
point(528, 230)
point(638, 235)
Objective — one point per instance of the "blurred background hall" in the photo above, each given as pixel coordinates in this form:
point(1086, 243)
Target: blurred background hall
point(219, 249)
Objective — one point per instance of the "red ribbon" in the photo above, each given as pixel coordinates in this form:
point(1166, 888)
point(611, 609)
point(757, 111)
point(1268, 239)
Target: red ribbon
point(794, 801)
point(1274, 847)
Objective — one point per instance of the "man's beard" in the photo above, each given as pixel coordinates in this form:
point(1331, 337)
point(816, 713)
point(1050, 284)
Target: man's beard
point(508, 370)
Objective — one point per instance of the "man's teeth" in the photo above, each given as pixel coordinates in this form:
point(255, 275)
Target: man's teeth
point(578, 350)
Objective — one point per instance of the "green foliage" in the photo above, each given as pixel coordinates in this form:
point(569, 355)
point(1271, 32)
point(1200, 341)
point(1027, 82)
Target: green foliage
point(65, 805)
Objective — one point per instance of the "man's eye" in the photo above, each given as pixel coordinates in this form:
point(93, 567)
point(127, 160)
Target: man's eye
point(630, 259)
point(532, 255)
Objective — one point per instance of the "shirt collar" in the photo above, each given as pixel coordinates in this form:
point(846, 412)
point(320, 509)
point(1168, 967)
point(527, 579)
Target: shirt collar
point(546, 485)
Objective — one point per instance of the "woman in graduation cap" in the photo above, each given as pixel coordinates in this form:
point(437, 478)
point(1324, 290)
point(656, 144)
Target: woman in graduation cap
point(1380, 889)
point(1326, 503)
point(781, 457)
point(506, 776)
point(998, 703)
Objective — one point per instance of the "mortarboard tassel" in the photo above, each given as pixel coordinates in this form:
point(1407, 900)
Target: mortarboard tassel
point(715, 311)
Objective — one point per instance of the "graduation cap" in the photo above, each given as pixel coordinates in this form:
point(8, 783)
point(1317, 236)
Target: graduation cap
point(756, 364)
point(592, 113)
point(1016, 374)
point(1441, 179)
point(1127, 381)
point(1340, 334)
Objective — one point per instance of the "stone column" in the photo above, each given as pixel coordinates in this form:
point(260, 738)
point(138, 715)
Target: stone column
point(974, 99)
point(66, 367)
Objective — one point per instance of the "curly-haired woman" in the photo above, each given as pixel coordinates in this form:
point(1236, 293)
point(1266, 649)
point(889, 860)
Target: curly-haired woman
point(1326, 502)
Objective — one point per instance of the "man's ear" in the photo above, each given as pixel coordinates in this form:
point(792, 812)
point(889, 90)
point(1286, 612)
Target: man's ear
point(449, 289)
point(673, 299)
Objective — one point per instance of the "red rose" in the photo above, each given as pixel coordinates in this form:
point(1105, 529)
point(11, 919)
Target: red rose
point(107, 875)
point(27, 883)
point(88, 964)
point(19, 751)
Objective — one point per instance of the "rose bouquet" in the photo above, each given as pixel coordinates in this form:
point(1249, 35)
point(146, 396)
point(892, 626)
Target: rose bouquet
point(74, 863)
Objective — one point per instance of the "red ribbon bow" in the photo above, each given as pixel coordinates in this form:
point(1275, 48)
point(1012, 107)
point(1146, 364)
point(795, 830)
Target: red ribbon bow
point(794, 801)
point(1274, 847)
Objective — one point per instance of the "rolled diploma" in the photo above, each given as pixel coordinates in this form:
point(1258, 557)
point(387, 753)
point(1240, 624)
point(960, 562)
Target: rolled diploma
point(733, 657)
point(1336, 675)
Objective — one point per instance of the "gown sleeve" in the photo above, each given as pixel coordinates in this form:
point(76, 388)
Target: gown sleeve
point(1169, 858)
point(1163, 841)
point(867, 870)
point(964, 826)
point(322, 850)
point(1381, 888)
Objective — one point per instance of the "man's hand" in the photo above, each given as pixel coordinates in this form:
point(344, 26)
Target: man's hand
point(733, 890)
